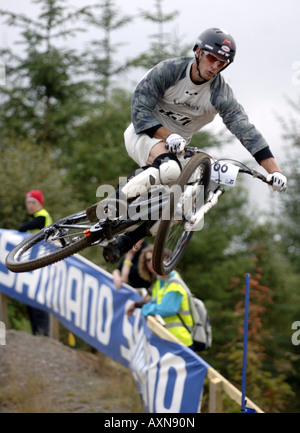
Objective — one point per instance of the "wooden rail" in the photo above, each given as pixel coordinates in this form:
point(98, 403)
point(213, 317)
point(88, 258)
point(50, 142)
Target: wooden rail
point(217, 383)
point(3, 309)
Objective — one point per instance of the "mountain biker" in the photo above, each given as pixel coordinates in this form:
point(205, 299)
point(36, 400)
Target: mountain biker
point(172, 102)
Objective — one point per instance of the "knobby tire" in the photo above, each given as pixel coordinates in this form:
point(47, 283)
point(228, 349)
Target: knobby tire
point(159, 264)
point(30, 265)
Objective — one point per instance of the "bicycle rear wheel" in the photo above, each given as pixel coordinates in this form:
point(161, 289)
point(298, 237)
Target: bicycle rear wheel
point(51, 244)
point(171, 234)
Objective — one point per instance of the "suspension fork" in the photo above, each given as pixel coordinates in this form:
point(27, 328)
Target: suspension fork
point(212, 200)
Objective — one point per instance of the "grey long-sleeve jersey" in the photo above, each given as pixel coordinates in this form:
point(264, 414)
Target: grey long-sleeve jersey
point(167, 96)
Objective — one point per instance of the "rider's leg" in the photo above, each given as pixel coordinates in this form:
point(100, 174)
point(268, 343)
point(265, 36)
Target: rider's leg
point(91, 212)
point(149, 151)
point(125, 242)
point(161, 168)
point(165, 169)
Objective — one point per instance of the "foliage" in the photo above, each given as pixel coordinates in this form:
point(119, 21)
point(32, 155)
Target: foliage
point(164, 45)
point(214, 267)
point(102, 55)
point(290, 226)
point(98, 151)
point(27, 166)
point(40, 101)
point(268, 388)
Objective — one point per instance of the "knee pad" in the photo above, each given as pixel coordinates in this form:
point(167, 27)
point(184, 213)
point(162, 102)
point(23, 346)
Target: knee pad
point(169, 172)
point(169, 168)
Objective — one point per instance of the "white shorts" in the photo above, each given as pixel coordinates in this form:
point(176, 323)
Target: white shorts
point(138, 146)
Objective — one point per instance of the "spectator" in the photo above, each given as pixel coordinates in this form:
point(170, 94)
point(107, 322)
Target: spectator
point(168, 300)
point(40, 218)
point(127, 271)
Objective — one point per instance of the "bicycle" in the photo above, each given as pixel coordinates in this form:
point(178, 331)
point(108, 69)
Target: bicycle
point(172, 213)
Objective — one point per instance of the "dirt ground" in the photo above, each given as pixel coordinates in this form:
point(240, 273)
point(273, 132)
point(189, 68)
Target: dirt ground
point(41, 375)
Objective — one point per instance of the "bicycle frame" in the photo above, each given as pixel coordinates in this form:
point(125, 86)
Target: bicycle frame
point(149, 206)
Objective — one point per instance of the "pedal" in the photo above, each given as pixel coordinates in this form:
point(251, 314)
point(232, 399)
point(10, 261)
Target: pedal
point(108, 244)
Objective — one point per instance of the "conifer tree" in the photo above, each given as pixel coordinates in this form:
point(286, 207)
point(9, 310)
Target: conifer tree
point(164, 45)
point(103, 58)
point(289, 229)
point(266, 378)
point(42, 100)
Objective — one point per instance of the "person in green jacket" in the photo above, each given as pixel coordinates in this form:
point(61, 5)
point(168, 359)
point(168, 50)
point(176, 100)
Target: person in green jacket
point(40, 218)
point(167, 298)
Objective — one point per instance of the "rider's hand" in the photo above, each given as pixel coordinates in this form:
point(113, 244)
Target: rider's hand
point(175, 143)
point(279, 181)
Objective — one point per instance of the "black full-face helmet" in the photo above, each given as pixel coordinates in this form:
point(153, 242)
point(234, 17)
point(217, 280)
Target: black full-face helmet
point(217, 41)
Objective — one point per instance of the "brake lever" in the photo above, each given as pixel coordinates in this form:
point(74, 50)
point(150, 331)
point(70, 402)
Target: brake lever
point(260, 176)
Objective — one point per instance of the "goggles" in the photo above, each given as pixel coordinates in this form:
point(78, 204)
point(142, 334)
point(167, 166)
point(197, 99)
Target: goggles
point(212, 58)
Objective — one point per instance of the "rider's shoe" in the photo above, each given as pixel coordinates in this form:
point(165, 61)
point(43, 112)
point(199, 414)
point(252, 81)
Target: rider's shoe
point(114, 252)
point(141, 183)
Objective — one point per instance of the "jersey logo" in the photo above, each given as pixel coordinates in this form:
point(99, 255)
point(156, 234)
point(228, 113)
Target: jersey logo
point(184, 120)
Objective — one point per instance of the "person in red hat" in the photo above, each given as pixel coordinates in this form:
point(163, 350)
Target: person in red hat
point(40, 218)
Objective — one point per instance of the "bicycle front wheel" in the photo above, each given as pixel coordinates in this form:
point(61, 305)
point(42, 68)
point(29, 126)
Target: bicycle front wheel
point(51, 244)
point(172, 235)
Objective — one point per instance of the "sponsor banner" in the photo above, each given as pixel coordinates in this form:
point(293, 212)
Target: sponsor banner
point(83, 297)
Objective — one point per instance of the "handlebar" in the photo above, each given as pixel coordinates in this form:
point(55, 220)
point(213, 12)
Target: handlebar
point(256, 175)
point(190, 151)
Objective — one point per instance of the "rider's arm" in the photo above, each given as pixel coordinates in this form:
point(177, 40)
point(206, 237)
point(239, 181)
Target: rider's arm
point(236, 120)
point(162, 133)
point(150, 90)
point(270, 165)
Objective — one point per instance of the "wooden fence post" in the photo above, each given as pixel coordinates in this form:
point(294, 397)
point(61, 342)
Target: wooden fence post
point(54, 327)
point(3, 309)
point(215, 404)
